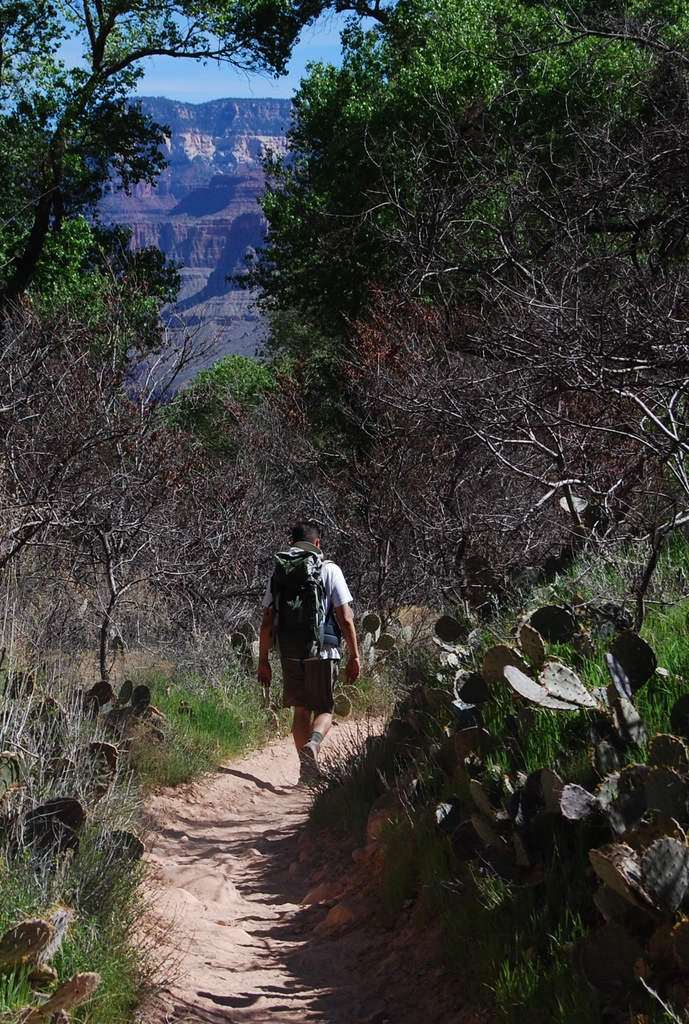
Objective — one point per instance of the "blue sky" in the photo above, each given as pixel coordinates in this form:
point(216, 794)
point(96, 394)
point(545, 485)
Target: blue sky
point(190, 82)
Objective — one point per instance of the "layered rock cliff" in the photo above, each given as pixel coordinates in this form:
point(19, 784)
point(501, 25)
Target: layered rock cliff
point(203, 211)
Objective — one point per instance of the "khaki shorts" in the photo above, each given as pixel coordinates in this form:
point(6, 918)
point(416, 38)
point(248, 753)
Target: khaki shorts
point(309, 683)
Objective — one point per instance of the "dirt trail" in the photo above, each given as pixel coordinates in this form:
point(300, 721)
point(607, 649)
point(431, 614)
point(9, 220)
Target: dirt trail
point(259, 918)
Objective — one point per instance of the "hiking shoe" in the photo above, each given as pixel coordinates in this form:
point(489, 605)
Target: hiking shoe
point(308, 762)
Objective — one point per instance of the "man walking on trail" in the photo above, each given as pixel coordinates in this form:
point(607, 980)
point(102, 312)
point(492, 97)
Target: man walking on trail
point(309, 674)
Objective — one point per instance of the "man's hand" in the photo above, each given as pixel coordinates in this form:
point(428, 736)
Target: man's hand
point(352, 669)
point(265, 673)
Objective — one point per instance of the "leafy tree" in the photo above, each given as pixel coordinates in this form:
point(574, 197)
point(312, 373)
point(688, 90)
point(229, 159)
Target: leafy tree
point(401, 161)
point(215, 401)
point(66, 133)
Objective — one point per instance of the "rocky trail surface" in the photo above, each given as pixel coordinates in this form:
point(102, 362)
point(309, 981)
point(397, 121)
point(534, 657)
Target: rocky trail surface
point(257, 917)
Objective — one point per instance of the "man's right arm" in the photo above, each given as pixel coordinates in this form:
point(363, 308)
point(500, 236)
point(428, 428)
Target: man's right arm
point(343, 614)
point(265, 673)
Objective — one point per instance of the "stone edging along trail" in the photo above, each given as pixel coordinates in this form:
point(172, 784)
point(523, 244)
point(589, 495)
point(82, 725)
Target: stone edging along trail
point(257, 918)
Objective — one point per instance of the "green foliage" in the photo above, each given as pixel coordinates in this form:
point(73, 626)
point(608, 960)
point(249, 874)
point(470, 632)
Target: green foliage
point(403, 159)
point(209, 719)
point(215, 401)
point(118, 291)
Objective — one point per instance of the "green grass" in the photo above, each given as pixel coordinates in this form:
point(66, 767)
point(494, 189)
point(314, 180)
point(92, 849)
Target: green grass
point(207, 721)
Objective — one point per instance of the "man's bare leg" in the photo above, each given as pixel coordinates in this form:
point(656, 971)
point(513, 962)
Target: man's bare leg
point(302, 726)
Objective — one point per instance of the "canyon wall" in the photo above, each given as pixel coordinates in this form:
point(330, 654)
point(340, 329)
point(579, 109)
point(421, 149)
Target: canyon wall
point(203, 211)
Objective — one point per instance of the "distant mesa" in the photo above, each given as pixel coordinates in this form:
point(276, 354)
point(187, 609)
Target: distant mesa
point(203, 212)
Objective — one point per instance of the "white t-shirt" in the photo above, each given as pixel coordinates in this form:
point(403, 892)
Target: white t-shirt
point(336, 594)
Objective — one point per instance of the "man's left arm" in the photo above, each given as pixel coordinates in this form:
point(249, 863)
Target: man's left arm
point(345, 620)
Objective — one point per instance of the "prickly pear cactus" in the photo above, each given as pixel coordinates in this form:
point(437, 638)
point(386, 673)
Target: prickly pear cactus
point(577, 804)
point(24, 943)
point(532, 644)
point(343, 705)
point(470, 687)
point(488, 833)
point(125, 692)
point(637, 658)
point(533, 691)
point(68, 995)
point(667, 751)
point(610, 960)
point(12, 770)
point(628, 723)
point(563, 683)
point(385, 642)
point(449, 629)
point(665, 872)
point(619, 677)
point(495, 660)
point(371, 624)
point(620, 868)
point(555, 623)
point(141, 698)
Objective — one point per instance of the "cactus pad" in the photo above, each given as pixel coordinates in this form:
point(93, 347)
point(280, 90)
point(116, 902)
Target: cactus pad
point(630, 804)
point(60, 921)
point(471, 687)
point(371, 624)
point(449, 629)
point(141, 698)
point(102, 693)
point(65, 809)
point(628, 723)
point(69, 994)
point(610, 958)
point(473, 740)
point(481, 799)
point(552, 788)
point(566, 685)
point(606, 758)
point(576, 803)
point(532, 644)
point(620, 868)
point(667, 751)
point(437, 698)
point(665, 871)
point(495, 660)
point(343, 705)
point(636, 657)
point(556, 624)
point(385, 642)
point(654, 825)
point(448, 816)
point(488, 833)
point(530, 690)
point(125, 692)
point(619, 677)
point(666, 791)
point(24, 943)
point(12, 770)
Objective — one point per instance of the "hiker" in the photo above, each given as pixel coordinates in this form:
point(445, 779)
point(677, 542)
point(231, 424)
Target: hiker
point(307, 644)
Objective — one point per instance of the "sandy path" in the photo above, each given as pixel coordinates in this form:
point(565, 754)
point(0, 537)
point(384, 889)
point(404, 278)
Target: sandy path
point(259, 918)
